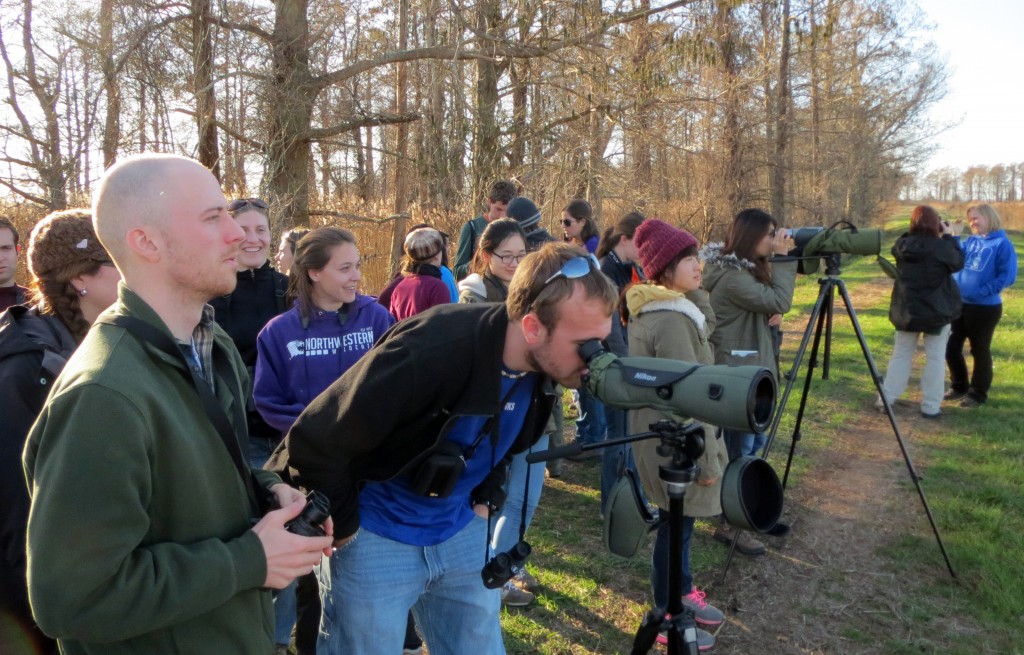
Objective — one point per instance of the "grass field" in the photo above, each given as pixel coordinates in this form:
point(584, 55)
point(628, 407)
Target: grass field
point(972, 463)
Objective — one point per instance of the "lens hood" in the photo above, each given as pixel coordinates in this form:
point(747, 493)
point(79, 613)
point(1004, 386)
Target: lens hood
point(751, 494)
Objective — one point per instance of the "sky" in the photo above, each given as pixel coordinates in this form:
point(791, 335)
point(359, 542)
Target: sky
point(985, 48)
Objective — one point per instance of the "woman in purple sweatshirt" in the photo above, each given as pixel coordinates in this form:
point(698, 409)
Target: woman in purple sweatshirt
point(304, 350)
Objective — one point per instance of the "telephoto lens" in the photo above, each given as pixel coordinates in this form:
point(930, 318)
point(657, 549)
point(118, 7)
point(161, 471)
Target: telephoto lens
point(309, 523)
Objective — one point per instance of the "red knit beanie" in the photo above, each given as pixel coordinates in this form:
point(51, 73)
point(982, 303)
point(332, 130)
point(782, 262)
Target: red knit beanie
point(658, 243)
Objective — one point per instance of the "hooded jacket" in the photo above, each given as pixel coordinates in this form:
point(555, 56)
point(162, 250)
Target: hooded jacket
point(990, 265)
point(297, 363)
point(384, 416)
point(482, 288)
point(925, 297)
point(417, 289)
point(666, 324)
point(743, 305)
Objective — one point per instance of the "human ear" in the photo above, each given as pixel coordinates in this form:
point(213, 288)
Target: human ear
point(143, 244)
point(533, 330)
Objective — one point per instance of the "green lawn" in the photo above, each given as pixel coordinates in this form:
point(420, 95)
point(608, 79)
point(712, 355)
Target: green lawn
point(973, 468)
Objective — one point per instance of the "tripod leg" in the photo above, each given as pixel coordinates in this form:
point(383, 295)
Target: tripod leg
point(797, 360)
point(877, 378)
point(829, 310)
point(811, 364)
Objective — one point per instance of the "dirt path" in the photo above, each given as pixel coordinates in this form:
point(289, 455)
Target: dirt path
point(820, 590)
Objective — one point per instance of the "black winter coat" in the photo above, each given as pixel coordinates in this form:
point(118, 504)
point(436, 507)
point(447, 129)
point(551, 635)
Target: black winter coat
point(25, 380)
point(925, 297)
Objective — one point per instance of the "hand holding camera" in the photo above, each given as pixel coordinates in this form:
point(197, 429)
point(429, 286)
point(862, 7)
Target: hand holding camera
point(782, 241)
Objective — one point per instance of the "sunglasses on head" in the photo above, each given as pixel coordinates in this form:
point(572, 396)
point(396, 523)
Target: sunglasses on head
point(572, 269)
point(235, 205)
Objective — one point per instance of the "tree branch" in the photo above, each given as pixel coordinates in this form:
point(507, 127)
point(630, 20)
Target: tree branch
point(357, 217)
point(368, 120)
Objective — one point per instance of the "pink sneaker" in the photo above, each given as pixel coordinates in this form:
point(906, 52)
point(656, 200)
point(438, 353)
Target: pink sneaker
point(703, 614)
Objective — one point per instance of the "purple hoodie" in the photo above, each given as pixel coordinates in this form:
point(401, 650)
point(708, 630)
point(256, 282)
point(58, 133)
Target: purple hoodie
point(295, 364)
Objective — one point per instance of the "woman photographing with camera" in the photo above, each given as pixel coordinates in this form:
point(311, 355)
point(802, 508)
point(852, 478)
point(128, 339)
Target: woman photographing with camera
point(749, 295)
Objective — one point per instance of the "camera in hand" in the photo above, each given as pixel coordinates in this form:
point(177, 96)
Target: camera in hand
point(309, 523)
point(504, 566)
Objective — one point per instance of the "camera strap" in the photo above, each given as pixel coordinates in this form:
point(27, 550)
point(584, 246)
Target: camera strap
point(147, 333)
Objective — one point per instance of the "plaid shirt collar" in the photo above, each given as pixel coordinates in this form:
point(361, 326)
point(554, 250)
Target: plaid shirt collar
point(202, 344)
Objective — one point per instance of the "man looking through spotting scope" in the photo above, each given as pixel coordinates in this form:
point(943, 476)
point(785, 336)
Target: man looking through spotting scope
point(144, 533)
point(411, 446)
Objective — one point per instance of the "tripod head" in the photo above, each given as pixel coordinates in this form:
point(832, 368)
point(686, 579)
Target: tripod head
point(684, 444)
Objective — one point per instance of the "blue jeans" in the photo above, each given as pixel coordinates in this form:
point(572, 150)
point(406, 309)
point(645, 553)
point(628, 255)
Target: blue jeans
point(369, 585)
point(615, 458)
point(743, 444)
point(659, 575)
point(260, 449)
point(590, 426)
point(284, 614)
point(506, 531)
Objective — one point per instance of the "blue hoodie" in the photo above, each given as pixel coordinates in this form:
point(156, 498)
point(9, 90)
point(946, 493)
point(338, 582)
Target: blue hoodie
point(990, 265)
point(295, 364)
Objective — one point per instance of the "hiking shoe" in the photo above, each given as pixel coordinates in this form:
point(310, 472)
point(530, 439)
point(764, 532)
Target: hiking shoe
point(525, 581)
point(703, 613)
point(513, 596)
point(970, 402)
point(705, 640)
point(747, 545)
point(954, 395)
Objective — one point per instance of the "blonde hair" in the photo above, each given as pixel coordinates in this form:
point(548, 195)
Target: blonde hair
point(989, 212)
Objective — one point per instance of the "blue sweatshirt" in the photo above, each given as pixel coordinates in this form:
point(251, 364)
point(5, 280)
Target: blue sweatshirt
point(295, 364)
point(990, 265)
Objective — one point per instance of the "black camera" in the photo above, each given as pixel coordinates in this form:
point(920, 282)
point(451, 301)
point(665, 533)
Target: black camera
point(309, 523)
point(504, 566)
point(437, 476)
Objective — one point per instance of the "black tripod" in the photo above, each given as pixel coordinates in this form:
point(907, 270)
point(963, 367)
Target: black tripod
point(683, 444)
point(821, 320)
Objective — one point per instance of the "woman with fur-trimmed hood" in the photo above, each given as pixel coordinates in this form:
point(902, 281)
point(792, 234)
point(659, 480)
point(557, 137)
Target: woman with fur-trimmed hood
point(671, 318)
point(749, 296)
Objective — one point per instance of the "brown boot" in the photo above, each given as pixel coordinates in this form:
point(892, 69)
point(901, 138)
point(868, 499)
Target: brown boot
point(746, 544)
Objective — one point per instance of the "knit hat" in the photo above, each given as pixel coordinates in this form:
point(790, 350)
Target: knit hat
point(658, 243)
point(524, 211)
point(64, 238)
point(423, 243)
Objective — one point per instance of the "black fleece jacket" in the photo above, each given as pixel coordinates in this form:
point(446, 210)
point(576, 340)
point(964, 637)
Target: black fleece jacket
point(386, 413)
point(257, 298)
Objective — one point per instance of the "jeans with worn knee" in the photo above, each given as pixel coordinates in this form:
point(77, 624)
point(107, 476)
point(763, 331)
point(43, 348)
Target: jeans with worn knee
point(660, 560)
point(506, 529)
point(369, 585)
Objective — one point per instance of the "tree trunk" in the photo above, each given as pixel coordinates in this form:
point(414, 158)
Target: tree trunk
point(290, 114)
point(111, 84)
point(202, 86)
point(778, 169)
point(486, 153)
point(402, 145)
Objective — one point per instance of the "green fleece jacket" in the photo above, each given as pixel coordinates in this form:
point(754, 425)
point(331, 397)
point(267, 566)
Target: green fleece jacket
point(743, 305)
point(669, 325)
point(139, 538)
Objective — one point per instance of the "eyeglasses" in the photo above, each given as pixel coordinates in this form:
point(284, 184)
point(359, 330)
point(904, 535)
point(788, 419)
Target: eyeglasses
point(235, 205)
point(508, 260)
point(567, 222)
